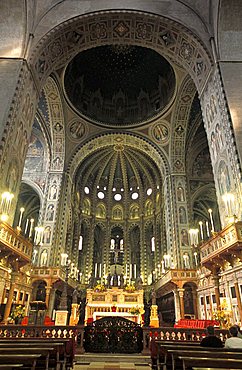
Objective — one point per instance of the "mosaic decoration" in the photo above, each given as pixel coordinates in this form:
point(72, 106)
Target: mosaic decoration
point(160, 133)
point(170, 39)
point(77, 129)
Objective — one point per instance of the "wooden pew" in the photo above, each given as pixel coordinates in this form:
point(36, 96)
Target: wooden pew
point(53, 348)
point(204, 353)
point(165, 358)
point(43, 351)
point(10, 366)
point(29, 360)
point(64, 347)
point(209, 362)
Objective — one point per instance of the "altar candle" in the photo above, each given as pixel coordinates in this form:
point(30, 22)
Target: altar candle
point(211, 219)
point(130, 272)
point(100, 270)
point(95, 273)
point(207, 228)
point(31, 227)
point(135, 271)
point(20, 216)
point(26, 226)
point(201, 229)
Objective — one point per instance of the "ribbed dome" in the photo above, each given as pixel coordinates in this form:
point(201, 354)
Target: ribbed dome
point(119, 84)
point(118, 174)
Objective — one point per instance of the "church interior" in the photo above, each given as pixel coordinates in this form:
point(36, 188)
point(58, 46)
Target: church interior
point(120, 161)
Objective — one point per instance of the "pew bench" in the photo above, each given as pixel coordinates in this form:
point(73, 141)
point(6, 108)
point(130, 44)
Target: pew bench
point(168, 353)
point(43, 361)
point(28, 360)
point(226, 354)
point(64, 348)
point(10, 366)
point(190, 362)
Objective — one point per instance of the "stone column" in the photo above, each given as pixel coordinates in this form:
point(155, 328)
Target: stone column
point(10, 298)
point(216, 291)
point(177, 305)
point(194, 297)
point(205, 307)
point(181, 300)
point(238, 297)
point(51, 303)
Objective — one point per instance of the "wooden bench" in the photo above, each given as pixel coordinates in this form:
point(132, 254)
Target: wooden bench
point(10, 366)
point(43, 351)
point(166, 359)
point(63, 347)
point(53, 348)
point(209, 362)
point(28, 360)
point(64, 351)
point(204, 353)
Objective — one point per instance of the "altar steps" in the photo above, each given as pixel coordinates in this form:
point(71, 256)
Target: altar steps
point(111, 361)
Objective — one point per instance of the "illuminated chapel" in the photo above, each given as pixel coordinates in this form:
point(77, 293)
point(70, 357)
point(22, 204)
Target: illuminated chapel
point(120, 158)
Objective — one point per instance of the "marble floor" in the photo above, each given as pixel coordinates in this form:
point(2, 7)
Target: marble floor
point(111, 366)
point(112, 362)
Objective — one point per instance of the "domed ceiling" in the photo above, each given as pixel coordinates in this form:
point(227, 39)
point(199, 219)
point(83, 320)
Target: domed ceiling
point(119, 85)
point(118, 174)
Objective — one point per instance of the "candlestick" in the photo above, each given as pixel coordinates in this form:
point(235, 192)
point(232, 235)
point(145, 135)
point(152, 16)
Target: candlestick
point(20, 216)
point(201, 229)
point(211, 219)
point(135, 271)
point(162, 267)
point(31, 227)
point(100, 270)
point(26, 226)
point(95, 272)
point(195, 256)
point(130, 272)
point(207, 228)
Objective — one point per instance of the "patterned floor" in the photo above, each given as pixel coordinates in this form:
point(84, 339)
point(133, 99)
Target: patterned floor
point(112, 362)
point(112, 366)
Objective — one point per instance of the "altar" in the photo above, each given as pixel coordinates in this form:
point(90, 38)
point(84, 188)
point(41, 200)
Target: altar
point(114, 302)
point(126, 315)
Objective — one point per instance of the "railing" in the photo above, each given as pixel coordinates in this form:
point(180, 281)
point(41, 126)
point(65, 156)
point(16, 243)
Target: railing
point(52, 272)
point(176, 275)
point(15, 242)
point(177, 334)
point(230, 236)
point(77, 332)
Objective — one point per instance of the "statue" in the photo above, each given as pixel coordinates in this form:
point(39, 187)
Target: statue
point(91, 282)
point(139, 283)
point(147, 308)
point(109, 280)
point(75, 295)
point(153, 296)
point(43, 258)
point(82, 311)
point(121, 281)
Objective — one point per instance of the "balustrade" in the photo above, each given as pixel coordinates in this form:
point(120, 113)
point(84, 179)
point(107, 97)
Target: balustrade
point(11, 239)
point(77, 333)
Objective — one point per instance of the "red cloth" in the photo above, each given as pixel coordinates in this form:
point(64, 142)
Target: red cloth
point(195, 324)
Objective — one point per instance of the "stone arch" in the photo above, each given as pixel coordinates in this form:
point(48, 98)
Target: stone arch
point(171, 39)
point(180, 121)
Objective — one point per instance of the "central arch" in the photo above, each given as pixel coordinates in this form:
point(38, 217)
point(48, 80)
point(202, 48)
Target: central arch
point(169, 38)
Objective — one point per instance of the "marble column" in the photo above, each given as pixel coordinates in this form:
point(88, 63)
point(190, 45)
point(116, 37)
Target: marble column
point(238, 297)
point(10, 298)
point(181, 300)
